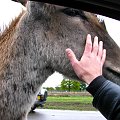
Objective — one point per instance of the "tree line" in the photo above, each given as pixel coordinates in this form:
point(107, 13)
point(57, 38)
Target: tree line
point(69, 85)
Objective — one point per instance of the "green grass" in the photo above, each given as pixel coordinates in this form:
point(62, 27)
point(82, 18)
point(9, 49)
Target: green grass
point(83, 103)
point(72, 99)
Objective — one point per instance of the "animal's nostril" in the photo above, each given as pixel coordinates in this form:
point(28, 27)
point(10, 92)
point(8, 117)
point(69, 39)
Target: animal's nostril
point(112, 71)
point(112, 74)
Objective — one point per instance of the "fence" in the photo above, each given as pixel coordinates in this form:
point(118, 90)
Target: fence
point(57, 93)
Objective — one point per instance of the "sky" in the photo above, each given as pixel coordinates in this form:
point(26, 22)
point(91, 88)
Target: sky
point(113, 28)
point(9, 10)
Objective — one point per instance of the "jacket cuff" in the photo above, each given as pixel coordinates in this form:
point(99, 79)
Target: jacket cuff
point(95, 85)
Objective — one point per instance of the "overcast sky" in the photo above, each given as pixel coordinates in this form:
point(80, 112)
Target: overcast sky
point(9, 10)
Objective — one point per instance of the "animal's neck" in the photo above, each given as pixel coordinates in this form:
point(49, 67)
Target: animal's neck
point(6, 42)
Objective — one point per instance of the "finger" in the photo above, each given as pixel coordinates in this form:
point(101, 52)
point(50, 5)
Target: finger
point(71, 56)
point(88, 46)
point(100, 49)
point(95, 46)
point(103, 56)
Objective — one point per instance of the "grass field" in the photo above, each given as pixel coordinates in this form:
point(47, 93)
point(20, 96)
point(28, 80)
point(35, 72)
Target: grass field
point(83, 103)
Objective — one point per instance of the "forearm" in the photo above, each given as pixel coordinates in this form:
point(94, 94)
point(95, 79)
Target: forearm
point(106, 97)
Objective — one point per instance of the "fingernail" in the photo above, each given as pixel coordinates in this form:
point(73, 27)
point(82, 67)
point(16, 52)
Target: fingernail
point(101, 42)
point(89, 35)
point(68, 51)
point(96, 37)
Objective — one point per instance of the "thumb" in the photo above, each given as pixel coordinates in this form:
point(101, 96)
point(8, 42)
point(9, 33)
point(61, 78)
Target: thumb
point(71, 56)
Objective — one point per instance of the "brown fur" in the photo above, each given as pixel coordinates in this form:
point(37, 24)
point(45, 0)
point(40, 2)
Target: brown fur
point(93, 19)
point(6, 42)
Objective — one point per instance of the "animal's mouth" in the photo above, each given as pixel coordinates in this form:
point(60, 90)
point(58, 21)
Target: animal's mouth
point(112, 74)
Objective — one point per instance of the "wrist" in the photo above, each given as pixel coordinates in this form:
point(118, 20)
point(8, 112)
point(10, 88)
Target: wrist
point(88, 79)
point(95, 85)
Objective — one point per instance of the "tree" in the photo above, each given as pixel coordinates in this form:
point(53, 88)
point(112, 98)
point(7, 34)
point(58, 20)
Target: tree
point(82, 86)
point(49, 88)
point(70, 85)
point(58, 88)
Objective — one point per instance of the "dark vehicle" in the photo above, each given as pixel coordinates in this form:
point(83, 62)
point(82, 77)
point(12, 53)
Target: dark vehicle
point(40, 100)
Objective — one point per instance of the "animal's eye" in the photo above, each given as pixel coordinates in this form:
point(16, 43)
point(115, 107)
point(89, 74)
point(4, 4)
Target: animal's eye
point(74, 12)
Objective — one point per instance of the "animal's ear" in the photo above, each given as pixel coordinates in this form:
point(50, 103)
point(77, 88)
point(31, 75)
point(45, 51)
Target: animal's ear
point(23, 2)
point(103, 24)
point(101, 21)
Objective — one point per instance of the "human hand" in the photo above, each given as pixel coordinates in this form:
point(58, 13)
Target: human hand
point(91, 63)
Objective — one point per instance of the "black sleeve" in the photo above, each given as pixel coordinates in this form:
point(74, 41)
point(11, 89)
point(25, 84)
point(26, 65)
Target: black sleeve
point(106, 97)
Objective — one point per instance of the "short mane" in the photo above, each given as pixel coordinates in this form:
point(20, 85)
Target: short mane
point(95, 20)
